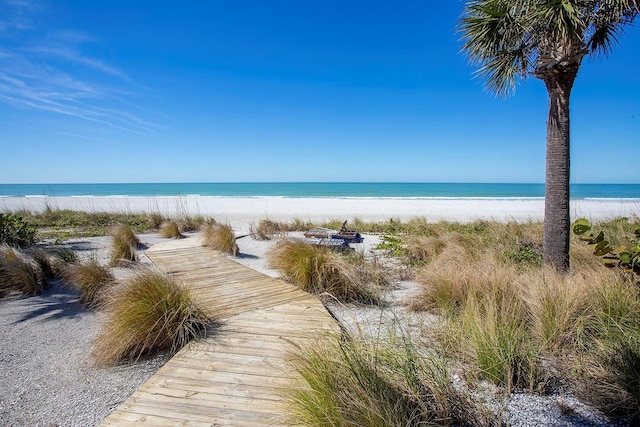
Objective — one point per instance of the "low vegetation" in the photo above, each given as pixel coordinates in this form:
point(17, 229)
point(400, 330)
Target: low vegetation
point(351, 381)
point(19, 273)
point(268, 229)
point(520, 326)
point(16, 231)
point(124, 245)
point(51, 259)
point(61, 224)
point(170, 230)
point(92, 280)
point(148, 314)
point(321, 271)
point(221, 238)
point(504, 319)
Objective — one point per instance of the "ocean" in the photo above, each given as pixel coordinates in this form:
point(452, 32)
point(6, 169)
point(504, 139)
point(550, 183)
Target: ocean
point(319, 189)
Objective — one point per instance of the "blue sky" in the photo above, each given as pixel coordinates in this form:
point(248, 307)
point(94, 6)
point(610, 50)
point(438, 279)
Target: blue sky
point(228, 91)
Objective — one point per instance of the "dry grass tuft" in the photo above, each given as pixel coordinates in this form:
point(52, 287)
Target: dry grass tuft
point(92, 280)
point(559, 308)
point(221, 238)
point(267, 229)
point(151, 313)
point(155, 220)
point(51, 260)
point(19, 273)
point(124, 246)
point(170, 230)
point(425, 249)
point(189, 224)
point(318, 270)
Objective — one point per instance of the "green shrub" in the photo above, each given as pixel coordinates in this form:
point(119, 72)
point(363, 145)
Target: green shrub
point(92, 280)
point(150, 313)
point(15, 231)
point(626, 258)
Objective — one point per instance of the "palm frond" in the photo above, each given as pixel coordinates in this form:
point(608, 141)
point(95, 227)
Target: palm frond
point(511, 39)
point(497, 39)
point(608, 24)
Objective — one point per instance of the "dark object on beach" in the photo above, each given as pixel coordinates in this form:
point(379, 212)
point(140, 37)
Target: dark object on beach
point(333, 244)
point(349, 236)
point(334, 240)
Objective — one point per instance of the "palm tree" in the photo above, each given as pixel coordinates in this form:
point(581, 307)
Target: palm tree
point(511, 40)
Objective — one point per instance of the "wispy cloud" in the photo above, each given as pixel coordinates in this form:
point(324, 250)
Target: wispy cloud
point(72, 55)
point(54, 73)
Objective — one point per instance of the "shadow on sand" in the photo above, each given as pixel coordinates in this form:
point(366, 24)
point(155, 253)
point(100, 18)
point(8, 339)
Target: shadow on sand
point(55, 303)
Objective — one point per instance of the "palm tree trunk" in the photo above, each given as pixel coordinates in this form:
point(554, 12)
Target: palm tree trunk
point(556, 201)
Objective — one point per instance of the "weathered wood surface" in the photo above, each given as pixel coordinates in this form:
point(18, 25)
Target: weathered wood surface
point(234, 377)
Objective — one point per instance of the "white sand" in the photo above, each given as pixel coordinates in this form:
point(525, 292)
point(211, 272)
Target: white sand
point(241, 211)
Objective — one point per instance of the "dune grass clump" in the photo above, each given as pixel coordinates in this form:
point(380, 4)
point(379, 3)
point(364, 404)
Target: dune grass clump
point(268, 229)
point(170, 230)
point(351, 381)
point(189, 224)
point(221, 238)
point(155, 220)
point(320, 271)
point(19, 273)
point(92, 280)
point(51, 260)
point(151, 313)
point(492, 333)
point(608, 361)
point(124, 245)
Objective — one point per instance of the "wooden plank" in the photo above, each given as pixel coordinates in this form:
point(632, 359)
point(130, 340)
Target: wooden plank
point(220, 387)
point(215, 415)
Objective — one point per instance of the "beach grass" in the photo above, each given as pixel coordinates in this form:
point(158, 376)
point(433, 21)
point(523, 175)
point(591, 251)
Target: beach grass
point(220, 237)
point(51, 259)
point(150, 313)
point(19, 273)
point(124, 246)
point(519, 325)
point(355, 381)
point(170, 230)
point(268, 229)
point(92, 280)
point(321, 271)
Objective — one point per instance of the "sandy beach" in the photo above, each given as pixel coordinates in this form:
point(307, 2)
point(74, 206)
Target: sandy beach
point(243, 211)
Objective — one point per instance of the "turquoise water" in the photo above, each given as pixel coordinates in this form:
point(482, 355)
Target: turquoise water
point(319, 189)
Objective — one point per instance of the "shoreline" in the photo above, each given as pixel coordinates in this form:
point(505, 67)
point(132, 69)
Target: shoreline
point(243, 211)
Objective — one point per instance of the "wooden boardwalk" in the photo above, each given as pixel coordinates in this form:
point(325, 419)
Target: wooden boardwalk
point(234, 377)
